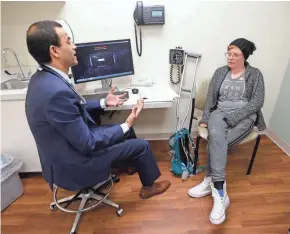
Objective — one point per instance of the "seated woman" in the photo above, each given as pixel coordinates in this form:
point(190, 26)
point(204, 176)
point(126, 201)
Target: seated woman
point(233, 107)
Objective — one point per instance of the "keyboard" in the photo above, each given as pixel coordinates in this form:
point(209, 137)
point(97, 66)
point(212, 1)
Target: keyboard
point(99, 96)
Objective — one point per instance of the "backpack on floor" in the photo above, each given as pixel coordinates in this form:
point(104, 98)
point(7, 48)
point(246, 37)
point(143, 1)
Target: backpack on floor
point(185, 162)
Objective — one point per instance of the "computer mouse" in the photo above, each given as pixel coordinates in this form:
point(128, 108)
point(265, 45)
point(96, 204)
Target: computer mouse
point(135, 91)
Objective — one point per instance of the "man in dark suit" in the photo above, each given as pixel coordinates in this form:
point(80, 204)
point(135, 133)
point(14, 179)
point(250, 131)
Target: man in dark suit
point(75, 152)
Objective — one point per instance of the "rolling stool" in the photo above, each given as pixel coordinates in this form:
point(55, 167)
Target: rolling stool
point(85, 195)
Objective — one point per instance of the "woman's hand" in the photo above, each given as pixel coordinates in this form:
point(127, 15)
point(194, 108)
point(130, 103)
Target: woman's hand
point(203, 125)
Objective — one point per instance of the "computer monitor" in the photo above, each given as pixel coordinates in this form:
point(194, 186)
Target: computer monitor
point(103, 60)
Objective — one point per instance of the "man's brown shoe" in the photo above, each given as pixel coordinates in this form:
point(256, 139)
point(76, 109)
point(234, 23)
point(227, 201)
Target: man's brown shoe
point(157, 188)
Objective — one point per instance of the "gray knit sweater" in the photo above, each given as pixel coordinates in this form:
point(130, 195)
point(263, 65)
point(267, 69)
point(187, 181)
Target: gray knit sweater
point(255, 93)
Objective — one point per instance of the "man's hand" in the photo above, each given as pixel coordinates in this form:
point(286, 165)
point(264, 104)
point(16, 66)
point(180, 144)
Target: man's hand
point(135, 113)
point(115, 100)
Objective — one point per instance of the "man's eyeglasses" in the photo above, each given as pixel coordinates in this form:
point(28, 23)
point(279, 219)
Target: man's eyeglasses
point(234, 55)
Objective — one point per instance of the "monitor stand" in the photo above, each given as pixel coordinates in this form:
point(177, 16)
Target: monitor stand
point(105, 87)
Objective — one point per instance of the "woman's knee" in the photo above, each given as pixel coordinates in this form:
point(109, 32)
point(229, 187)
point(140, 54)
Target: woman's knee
point(217, 129)
point(216, 118)
point(215, 132)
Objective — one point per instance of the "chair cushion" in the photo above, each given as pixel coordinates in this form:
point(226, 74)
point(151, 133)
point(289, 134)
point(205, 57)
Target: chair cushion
point(201, 93)
point(203, 133)
point(251, 136)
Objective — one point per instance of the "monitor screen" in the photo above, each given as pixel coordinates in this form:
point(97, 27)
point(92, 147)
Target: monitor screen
point(103, 60)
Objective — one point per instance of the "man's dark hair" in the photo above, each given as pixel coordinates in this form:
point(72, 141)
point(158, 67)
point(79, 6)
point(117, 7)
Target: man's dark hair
point(40, 36)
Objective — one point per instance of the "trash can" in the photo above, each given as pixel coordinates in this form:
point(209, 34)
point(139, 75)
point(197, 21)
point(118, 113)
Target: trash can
point(11, 185)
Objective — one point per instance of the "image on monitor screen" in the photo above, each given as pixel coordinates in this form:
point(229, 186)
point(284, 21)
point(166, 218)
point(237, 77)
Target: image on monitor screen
point(103, 60)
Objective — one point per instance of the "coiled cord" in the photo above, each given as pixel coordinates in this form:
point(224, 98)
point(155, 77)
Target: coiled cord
point(178, 74)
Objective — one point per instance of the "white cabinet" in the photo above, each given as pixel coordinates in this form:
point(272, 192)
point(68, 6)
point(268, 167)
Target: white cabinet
point(16, 137)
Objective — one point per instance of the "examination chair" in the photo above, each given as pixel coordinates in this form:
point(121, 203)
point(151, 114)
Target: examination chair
point(254, 135)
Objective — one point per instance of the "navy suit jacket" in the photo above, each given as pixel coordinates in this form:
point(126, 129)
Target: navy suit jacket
point(71, 146)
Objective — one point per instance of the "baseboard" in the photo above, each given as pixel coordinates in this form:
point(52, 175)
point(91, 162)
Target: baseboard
point(24, 175)
point(159, 136)
point(282, 144)
point(165, 136)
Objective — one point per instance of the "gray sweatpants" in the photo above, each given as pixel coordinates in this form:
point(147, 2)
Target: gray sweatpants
point(221, 136)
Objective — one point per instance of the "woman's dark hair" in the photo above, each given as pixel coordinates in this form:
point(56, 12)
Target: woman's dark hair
point(40, 36)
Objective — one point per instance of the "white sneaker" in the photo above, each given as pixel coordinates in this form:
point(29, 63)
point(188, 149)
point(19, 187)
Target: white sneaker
point(218, 212)
point(201, 190)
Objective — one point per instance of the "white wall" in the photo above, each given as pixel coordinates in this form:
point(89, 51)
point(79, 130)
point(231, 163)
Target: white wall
point(279, 127)
point(202, 27)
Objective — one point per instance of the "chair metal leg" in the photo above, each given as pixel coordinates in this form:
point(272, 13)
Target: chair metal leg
point(64, 200)
point(197, 143)
point(106, 201)
point(196, 158)
point(68, 200)
point(78, 215)
point(119, 210)
point(254, 155)
point(97, 186)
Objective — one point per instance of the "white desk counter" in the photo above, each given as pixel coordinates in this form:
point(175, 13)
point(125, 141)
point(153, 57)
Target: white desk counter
point(156, 96)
